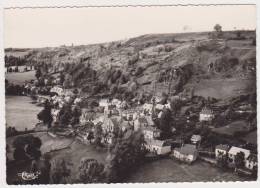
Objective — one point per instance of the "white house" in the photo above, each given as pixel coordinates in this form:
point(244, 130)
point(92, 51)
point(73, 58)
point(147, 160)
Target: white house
point(148, 108)
point(104, 102)
point(158, 147)
point(233, 152)
point(151, 133)
point(159, 107)
point(206, 114)
point(251, 162)
point(221, 150)
point(57, 90)
point(55, 115)
point(187, 153)
point(195, 139)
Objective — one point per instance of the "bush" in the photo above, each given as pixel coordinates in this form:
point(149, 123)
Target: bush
point(90, 171)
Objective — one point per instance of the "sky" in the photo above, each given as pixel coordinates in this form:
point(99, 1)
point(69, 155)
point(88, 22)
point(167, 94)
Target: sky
point(49, 27)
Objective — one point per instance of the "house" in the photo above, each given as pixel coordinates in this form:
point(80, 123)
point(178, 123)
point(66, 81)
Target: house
point(86, 116)
point(233, 152)
point(126, 125)
point(159, 107)
point(148, 108)
point(251, 162)
point(195, 139)
point(151, 133)
point(206, 114)
point(104, 103)
point(142, 122)
point(57, 90)
point(221, 150)
point(111, 110)
point(187, 153)
point(159, 147)
point(116, 102)
point(110, 125)
point(77, 101)
point(55, 115)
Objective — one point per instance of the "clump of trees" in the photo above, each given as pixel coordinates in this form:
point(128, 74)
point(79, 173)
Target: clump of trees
point(14, 61)
point(126, 154)
point(27, 147)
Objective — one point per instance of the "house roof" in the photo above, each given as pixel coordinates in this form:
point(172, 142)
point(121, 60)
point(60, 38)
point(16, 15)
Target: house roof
point(234, 150)
point(187, 149)
point(142, 120)
point(222, 147)
point(159, 143)
point(195, 138)
point(206, 110)
point(252, 157)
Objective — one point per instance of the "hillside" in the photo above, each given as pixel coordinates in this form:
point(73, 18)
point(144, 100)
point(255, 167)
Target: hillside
point(156, 63)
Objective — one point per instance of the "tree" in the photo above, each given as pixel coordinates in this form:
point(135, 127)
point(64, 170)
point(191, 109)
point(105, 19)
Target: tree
point(27, 147)
point(240, 160)
point(98, 134)
point(65, 115)
point(90, 171)
point(62, 78)
point(76, 113)
point(218, 29)
point(222, 159)
point(38, 73)
point(124, 156)
point(60, 173)
point(45, 115)
point(165, 123)
point(90, 136)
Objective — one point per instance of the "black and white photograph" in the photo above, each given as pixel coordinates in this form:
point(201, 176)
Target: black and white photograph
point(130, 94)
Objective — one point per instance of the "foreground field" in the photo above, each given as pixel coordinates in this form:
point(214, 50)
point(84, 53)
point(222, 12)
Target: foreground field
point(167, 170)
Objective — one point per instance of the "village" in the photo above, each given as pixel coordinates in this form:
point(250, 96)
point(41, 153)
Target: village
point(183, 128)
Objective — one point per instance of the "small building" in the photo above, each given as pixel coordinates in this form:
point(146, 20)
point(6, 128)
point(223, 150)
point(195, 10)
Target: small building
point(151, 133)
point(57, 90)
point(104, 103)
point(221, 150)
point(55, 115)
point(187, 153)
point(233, 152)
point(158, 147)
point(116, 102)
point(147, 108)
point(110, 125)
point(251, 162)
point(195, 139)
point(206, 114)
point(159, 107)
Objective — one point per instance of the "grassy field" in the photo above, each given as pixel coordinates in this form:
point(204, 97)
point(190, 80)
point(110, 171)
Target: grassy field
point(20, 112)
point(167, 170)
point(20, 77)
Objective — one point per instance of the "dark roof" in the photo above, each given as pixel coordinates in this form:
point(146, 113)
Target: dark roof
point(222, 147)
point(252, 157)
point(206, 110)
point(188, 149)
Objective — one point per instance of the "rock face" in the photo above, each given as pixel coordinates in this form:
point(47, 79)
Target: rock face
point(157, 63)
